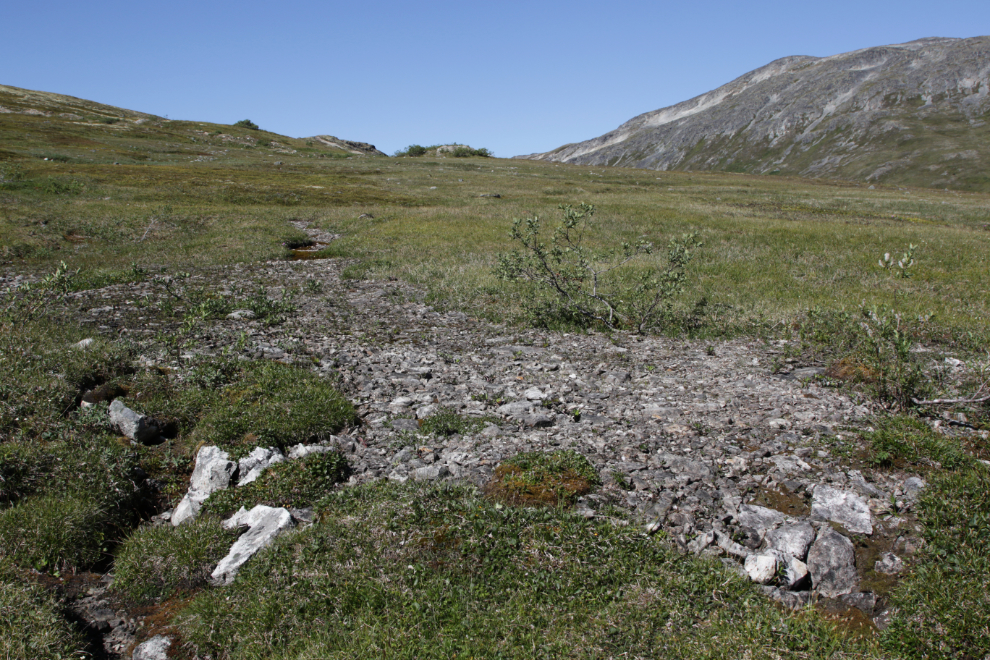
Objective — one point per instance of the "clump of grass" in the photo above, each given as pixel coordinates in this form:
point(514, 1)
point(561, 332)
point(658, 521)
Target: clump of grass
point(902, 441)
point(298, 483)
point(543, 479)
point(32, 624)
point(52, 533)
point(446, 422)
point(417, 571)
point(274, 405)
point(156, 561)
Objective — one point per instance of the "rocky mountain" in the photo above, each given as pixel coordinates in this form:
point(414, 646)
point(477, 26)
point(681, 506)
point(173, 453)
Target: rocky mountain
point(913, 113)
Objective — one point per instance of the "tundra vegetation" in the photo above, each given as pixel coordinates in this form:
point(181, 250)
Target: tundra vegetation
point(101, 197)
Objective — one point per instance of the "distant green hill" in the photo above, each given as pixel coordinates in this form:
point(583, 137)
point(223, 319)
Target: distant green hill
point(63, 128)
point(911, 114)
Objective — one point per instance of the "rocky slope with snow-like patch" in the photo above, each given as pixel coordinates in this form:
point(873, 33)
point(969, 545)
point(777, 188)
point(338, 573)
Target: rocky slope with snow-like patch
point(911, 113)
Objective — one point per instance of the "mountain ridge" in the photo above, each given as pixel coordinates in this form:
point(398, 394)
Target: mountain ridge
point(897, 114)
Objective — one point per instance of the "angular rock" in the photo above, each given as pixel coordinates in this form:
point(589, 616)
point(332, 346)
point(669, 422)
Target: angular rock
point(430, 473)
point(260, 459)
point(405, 424)
point(534, 394)
point(843, 507)
point(302, 451)
point(213, 472)
point(264, 523)
point(155, 648)
point(134, 425)
point(912, 486)
point(792, 540)
point(83, 344)
point(888, 564)
point(761, 568)
point(516, 409)
point(538, 421)
point(759, 518)
point(796, 574)
point(793, 600)
point(701, 542)
point(832, 563)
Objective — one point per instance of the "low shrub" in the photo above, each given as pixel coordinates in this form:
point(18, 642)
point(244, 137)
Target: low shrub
point(155, 561)
point(299, 483)
point(574, 285)
point(446, 422)
point(246, 123)
point(543, 479)
point(31, 621)
point(906, 441)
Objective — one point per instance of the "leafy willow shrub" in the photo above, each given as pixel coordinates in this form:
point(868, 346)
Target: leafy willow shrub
point(31, 621)
point(574, 284)
point(155, 561)
point(299, 483)
point(465, 152)
point(246, 123)
point(543, 478)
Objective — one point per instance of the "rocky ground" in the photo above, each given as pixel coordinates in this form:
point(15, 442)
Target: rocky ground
point(725, 447)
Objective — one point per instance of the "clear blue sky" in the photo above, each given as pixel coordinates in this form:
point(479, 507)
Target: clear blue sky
point(515, 77)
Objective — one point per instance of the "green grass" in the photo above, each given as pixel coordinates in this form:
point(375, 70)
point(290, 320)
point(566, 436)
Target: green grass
point(299, 483)
point(274, 405)
point(941, 605)
point(437, 572)
point(32, 622)
point(156, 561)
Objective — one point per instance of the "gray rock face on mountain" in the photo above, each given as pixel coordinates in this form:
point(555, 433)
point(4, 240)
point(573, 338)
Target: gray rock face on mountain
point(877, 114)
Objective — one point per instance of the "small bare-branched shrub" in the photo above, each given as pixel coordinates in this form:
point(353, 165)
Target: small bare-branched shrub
point(577, 284)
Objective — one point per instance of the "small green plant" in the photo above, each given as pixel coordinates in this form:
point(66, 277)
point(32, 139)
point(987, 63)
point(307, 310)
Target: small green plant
point(898, 379)
point(543, 479)
point(274, 405)
point(246, 123)
point(447, 422)
point(577, 284)
point(903, 264)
